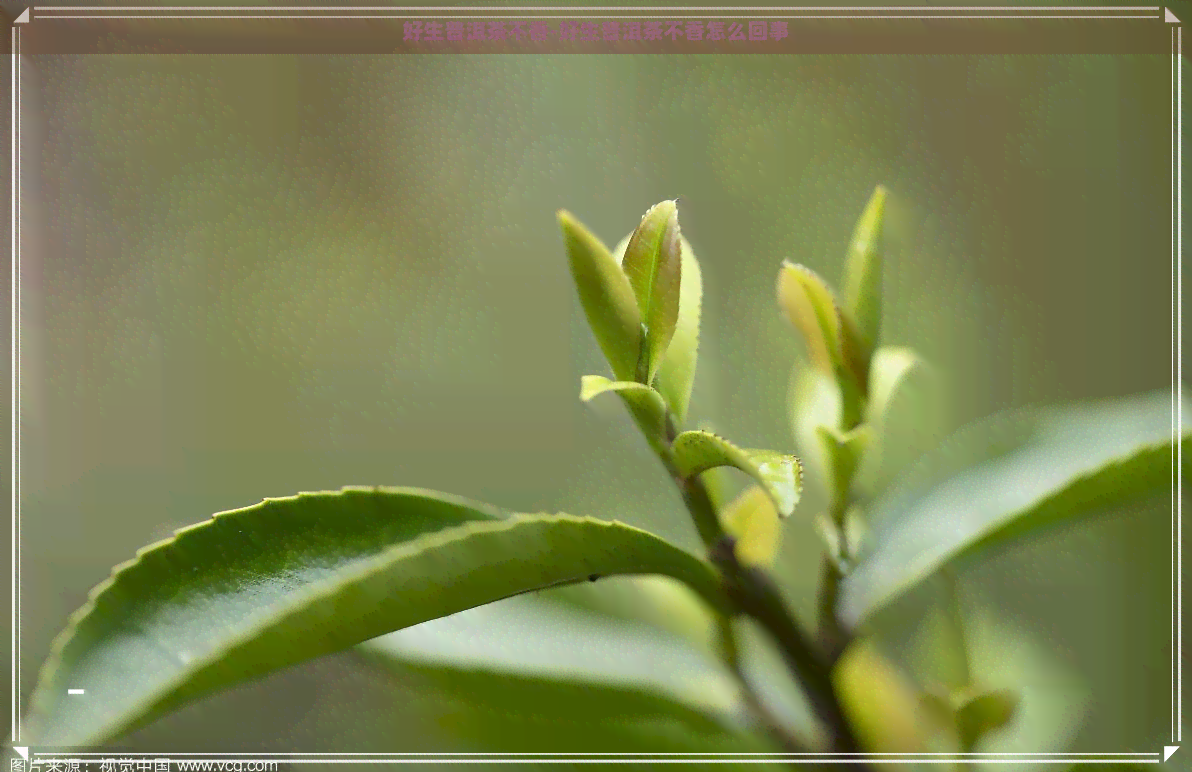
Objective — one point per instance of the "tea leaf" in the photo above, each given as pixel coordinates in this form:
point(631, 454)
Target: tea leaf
point(810, 306)
point(606, 296)
point(907, 410)
point(881, 702)
point(752, 520)
point(844, 451)
point(501, 712)
point(653, 262)
point(656, 601)
point(644, 403)
point(862, 286)
point(833, 540)
point(814, 402)
point(983, 714)
point(257, 589)
point(1033, 470)
point(676, 374)
point(780, 475)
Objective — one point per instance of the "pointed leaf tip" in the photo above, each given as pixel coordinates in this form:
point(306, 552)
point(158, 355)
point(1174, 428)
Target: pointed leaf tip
point(606, 296)
point(780, 475)
point(653, 262)
point(810, 306)
point(862, 286)
point(676, 374)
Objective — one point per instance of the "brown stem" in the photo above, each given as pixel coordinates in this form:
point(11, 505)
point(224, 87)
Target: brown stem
point(732, 654)
point(755, 594)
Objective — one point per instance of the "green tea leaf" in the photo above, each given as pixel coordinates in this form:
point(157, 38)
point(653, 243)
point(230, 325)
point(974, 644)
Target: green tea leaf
point(257, 589)
point(501, 712)
point(718, 485)
point(844, 451)
point(833, 343)
point(657, 601)
point(584, 632)
point(606, 296)
point(810, 306)
point(833, 540)
point(907, 409)
point(983, 714)
point(780, 475)
point(882, 703)
point(1040, 469)
point(753, 522)
point(862, 287)
point(814, 402)
point(643, 402)
point(676, 374)
point(653, 262)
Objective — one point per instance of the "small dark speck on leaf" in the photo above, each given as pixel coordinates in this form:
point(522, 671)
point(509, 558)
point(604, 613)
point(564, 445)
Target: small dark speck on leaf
point(593, 577)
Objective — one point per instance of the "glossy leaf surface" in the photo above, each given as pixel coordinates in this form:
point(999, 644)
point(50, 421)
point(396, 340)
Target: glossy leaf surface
point(1026, 471)
point(257, 589)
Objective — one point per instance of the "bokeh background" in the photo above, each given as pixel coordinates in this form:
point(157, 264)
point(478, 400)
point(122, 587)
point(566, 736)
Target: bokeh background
point(246, 276)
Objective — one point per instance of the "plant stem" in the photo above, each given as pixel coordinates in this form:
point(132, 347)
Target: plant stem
point(832, 637)
point(732, 655)
point(756, 595)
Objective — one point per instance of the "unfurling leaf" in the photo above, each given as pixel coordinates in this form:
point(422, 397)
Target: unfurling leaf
point(832, 340)
point(676, 374)
point(862, 287)
point(983, 714)
point(780, 475)
point(606, 296)
point(653, 262)
point(644, 403)
point(753, 522)
point(810, 306)
point(907, 410)
point(843, 451)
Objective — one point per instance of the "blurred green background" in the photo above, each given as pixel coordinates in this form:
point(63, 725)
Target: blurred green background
point(246, 276)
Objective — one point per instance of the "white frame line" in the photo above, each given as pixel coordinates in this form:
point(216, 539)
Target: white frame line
point(453, 8)
point(1176, 493)
point(13, 473)
point(912, 12)
point(586, 16)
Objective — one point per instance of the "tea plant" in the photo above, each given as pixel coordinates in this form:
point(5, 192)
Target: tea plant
point(258, 589)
